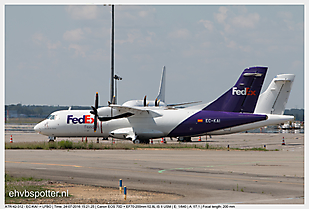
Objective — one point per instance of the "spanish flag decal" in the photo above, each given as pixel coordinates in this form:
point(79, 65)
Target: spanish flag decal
point(200, 120)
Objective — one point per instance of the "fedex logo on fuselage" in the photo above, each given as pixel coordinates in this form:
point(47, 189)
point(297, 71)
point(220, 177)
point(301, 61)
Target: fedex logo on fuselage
point(244, 92)
point(84, 119)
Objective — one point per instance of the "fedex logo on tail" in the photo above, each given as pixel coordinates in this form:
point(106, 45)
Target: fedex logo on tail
point(244, 92)
point(85, 119)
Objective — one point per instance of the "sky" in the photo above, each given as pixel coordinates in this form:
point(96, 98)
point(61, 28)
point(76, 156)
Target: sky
point(60, 54)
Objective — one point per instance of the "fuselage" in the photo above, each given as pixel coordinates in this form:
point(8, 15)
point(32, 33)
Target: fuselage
point(168, 123)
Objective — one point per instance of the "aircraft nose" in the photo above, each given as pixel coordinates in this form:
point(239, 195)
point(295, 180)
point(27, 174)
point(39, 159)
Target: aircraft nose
point(37, 127)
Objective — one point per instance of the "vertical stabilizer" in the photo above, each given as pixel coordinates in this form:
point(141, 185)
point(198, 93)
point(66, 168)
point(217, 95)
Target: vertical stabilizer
point(243, 96)
point(274, 99)
point(161, 94)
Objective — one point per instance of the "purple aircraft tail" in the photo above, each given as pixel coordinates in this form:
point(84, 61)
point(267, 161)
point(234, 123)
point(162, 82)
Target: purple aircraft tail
point(243, 96)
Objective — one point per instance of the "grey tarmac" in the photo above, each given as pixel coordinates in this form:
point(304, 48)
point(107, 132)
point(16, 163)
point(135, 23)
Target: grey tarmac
point(197, 176)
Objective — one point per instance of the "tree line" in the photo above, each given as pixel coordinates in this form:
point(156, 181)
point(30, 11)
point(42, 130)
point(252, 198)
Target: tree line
point(297, 113)
point(39, 111)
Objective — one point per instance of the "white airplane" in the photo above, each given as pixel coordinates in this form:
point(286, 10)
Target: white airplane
point(233, 109)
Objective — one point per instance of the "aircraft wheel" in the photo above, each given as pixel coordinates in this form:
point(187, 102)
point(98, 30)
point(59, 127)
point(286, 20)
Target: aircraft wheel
point(136, 141)
point(145, 141)
point(51, 138)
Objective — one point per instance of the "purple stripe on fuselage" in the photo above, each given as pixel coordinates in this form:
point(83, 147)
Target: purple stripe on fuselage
point(205, 121)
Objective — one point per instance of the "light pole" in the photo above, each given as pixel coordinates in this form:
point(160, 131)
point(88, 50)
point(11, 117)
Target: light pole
point(112, 57)
point(116, 77)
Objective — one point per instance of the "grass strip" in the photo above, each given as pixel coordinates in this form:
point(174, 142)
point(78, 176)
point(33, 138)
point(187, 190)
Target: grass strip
point(66, 144)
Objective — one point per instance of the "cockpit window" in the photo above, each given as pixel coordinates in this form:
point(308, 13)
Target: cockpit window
point(51, 117)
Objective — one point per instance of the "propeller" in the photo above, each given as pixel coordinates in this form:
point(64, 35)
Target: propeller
point(157, 102)
point(94, 111)
point(145, 101)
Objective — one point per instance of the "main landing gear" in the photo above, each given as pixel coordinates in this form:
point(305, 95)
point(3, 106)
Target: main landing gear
point(139, 141)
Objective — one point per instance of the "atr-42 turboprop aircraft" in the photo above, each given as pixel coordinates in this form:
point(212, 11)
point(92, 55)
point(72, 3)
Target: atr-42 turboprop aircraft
point(139, 124)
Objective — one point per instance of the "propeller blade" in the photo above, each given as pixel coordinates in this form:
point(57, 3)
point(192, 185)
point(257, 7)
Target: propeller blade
point(95, 123)
point(94, 111)
point(156, 102)
point(145, 101)
point(96, 100)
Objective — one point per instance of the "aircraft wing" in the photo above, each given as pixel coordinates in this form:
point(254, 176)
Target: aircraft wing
point(184, 103)
point(136, 111)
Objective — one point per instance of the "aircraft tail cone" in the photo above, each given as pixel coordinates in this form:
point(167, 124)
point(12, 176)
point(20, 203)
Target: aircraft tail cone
point(11, 139)
point(283, 142)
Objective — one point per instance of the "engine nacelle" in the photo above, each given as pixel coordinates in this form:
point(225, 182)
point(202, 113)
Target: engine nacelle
point(106, 112)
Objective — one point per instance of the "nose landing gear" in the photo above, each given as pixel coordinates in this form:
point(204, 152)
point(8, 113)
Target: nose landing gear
point(51, 139)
